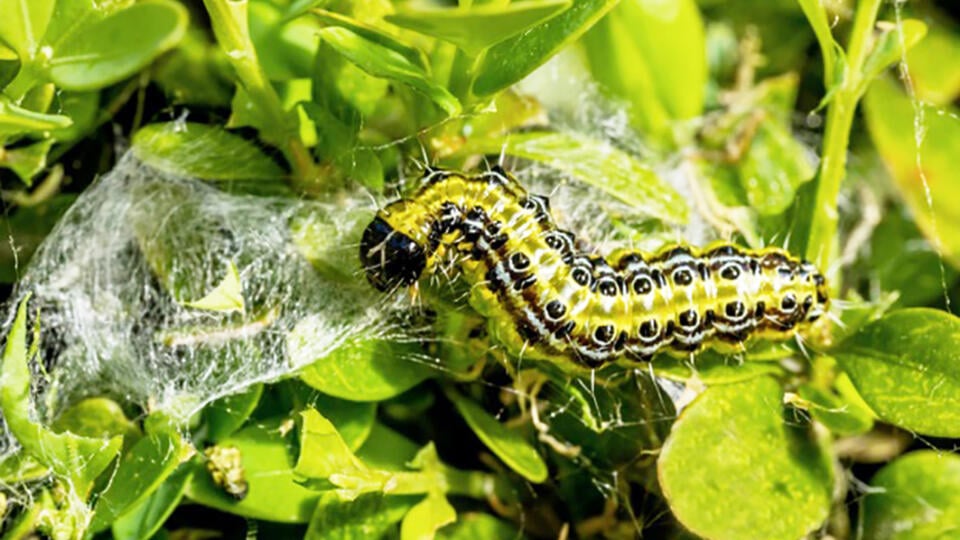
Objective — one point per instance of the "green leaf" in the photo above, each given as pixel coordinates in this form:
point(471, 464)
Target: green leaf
point(890, 48)
point(226, 415)
point(660, 50)
point(386, 63)
point(24, 24)
point(906, 366)
point(838, 415)
point(774, 167)
point(76, 459)
point(622, 71)
point(923, 172)
point(711, 368)
point(15, 120)
point(202, 151)
point(9, 65)
point(510, 446)
point(371, 370)
point(754, 476)
point(353, 420)
point(27, 161)
point(226, 297)
point(386, 449)
point(414, 55)
point(140, 472)
point(144, 519)
point(596, 163)
point(117, 46)
point(371, 515)
point(97, 417)
point(477, 28)
point(916, 497)
point(936, 82)
point(423, 520)
point(273, 494)
point(513, 59)
point(478, 525)
point(323, 453)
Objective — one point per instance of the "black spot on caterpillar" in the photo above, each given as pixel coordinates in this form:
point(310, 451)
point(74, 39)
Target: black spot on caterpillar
point(543, 297)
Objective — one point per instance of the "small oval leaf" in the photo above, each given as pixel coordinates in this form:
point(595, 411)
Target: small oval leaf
point(118, 46)
point(508, 445)
point(732, 468)
point(906, 366)
point(916, 497)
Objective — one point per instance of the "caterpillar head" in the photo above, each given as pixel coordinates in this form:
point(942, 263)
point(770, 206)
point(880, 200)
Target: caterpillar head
point(390, 257)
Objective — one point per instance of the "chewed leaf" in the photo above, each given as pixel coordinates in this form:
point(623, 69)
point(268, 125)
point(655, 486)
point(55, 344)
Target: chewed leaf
point(117, 46)
point(323, 453)
point(226, 297)
point(272, 492)
point(508, 445)
point(476, 29)
point(387, 63)
point(906, 366)
point(77, 459)
point(423, 520)
point(596, 163)
point(754, 477)
point(914, 498)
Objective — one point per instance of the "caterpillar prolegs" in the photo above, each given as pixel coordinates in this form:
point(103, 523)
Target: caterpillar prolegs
point(544, 297)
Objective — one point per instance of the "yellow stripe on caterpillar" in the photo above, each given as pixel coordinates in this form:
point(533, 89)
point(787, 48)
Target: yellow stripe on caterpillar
point(544, 297)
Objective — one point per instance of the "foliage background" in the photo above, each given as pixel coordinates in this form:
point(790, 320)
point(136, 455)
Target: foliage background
point(221, 158)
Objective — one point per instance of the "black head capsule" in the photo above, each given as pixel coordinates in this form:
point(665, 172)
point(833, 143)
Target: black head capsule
point(389, 257)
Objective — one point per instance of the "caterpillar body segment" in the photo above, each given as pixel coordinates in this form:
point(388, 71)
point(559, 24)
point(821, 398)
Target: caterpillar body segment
point(546, 299)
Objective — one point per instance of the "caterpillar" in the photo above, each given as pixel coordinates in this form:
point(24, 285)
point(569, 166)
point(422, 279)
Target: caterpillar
point(545, 298)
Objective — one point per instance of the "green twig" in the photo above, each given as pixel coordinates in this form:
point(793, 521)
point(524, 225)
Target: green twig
point(229, 21)
point(822, 242)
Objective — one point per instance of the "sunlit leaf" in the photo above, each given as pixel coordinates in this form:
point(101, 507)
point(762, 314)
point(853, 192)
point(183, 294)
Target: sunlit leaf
point(916, 497)
point(891, 46)
point(423, 520)
point(920, 153)
point(907, 368)
point(479, 27)
point(144, 519)
point(117, 46)
point(596, 163)
point(227, 296)
point(755, 476)
point(513, 59)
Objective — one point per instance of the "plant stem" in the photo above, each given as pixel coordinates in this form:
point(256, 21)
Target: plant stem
point(822, 242)
point(229, 21)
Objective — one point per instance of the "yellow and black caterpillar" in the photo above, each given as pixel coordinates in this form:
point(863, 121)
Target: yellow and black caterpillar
point(544, 297)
